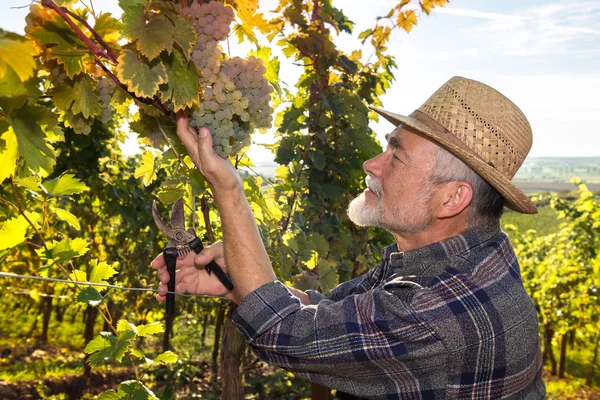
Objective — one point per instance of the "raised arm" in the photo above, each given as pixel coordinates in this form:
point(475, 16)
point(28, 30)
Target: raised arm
point(245, 255)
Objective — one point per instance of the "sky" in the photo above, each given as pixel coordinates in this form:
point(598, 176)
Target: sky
point(543, 55)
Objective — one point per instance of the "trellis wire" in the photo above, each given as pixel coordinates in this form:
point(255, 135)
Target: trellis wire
point(41, 278)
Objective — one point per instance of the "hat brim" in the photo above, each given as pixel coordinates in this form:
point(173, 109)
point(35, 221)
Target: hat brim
point(515, 199)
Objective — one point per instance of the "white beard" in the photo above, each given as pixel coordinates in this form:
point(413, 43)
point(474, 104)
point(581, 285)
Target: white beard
point(408, 218)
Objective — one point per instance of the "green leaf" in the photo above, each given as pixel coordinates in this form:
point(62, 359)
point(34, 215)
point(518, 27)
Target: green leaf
point(17, 53)
point(124, 325)
point(271, 64)
point(168, 357)
point(182, 85)
point(147, 168)
point(100, 272)
point(79, 99)
point(135, 390)
point(101, 342)
point(61, 43)
point(8, 155)
point(141, 78)
point(91, 296)
point(150, 329)
point(66, 216)
point(14, 231)
point(26, 121)
point(78, 276)
point(64, 185)
point(184, 35)
point(153, 37)
point(328, 276)
point(65, 250)
point(108, 28)
point(331, 191)
point(110, 395)
point(319, 160)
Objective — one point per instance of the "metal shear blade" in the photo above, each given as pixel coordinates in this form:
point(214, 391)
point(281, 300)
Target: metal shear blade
point(176, 233)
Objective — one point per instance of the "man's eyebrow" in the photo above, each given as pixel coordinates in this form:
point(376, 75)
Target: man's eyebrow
point(394, 141)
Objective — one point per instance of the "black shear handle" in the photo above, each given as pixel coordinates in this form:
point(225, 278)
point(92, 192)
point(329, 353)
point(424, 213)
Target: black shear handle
point(170, 255)
point(196, 245)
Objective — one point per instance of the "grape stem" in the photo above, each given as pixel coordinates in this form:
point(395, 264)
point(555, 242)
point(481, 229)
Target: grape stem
point(109, 53)
point(62, 12)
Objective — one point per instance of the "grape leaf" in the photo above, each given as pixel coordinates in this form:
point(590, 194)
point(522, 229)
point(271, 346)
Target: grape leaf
point(108, 28)
point(14, 231)
point(78, 276)
point(79, 98)
point(271, 64)
point(64, 185)
point(147, 168)
point(333, 192)
point(62, 43)
point(150, 329)
point(17, 53)
point(91, 296)
point(184, 35)
point(124, 325)
point(110, 394)
point(64, 250)
point(135, 390)
point(103, 341)
point(328, 276)
point(25, 121)
point(182, 81)
point(8, 155)
point(100, 272)
point(66, 216)
point(406, 20)
point(153, 37)
point(168, 357)
point(141, 78)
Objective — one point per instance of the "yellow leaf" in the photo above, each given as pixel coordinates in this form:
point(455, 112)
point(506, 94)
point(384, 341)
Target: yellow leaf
point(406, 20)
point(147, 168)
point(8, 157)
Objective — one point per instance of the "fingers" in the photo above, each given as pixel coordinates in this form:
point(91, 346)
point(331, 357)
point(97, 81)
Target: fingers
point(158, 262)
point(214, 252)
point(187, 135)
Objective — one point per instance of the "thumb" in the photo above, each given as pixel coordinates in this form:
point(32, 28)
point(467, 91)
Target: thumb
point(205, 144)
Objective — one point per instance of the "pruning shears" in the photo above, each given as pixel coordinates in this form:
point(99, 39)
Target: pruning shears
point(181, 242)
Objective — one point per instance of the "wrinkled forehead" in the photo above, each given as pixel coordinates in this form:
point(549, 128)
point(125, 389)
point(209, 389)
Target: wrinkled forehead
point(407, 138)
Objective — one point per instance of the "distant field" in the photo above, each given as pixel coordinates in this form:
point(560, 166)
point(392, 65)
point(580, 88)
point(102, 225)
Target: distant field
point(544, 222)
point(535, 187)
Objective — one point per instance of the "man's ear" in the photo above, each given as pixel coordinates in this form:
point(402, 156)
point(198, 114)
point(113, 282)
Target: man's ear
point(455, 198)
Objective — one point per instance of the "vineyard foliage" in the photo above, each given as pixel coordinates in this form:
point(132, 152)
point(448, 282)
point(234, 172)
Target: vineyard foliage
point(74, 208)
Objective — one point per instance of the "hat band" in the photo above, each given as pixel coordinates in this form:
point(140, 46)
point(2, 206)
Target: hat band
point(440, 131)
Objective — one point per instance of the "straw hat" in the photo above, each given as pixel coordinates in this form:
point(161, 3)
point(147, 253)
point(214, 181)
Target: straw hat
point(480, 126)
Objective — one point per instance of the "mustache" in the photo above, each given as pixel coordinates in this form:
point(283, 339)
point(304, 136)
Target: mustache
point(373, 185)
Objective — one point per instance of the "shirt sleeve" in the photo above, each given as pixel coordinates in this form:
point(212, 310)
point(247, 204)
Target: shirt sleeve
point(348, 288)
point(353, 341)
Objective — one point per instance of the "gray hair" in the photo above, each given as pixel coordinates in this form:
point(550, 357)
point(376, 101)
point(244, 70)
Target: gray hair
point(487, 204)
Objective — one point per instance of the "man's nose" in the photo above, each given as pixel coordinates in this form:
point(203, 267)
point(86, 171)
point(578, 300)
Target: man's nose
point(373, 166)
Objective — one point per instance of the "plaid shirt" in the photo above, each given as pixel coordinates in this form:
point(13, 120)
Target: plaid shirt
point(451, 320)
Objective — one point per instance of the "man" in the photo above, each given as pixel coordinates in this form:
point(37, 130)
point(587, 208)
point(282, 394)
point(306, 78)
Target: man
point(444, 315)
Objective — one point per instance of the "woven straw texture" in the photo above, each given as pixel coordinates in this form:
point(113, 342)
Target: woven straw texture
point(481, 127)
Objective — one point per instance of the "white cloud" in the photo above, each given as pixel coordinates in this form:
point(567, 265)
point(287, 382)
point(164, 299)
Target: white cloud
point(559, 28)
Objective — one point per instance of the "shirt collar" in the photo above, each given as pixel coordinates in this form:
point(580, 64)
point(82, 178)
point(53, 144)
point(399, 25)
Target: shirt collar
point(417, 261)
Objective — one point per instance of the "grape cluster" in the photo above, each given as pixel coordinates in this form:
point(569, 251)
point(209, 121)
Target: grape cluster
point(106, 88)
point(212, 24)
point(35, 17)
point(235, 95)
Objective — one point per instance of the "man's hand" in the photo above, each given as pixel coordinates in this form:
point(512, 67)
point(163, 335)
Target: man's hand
point(191, 277)
point(219, 172)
